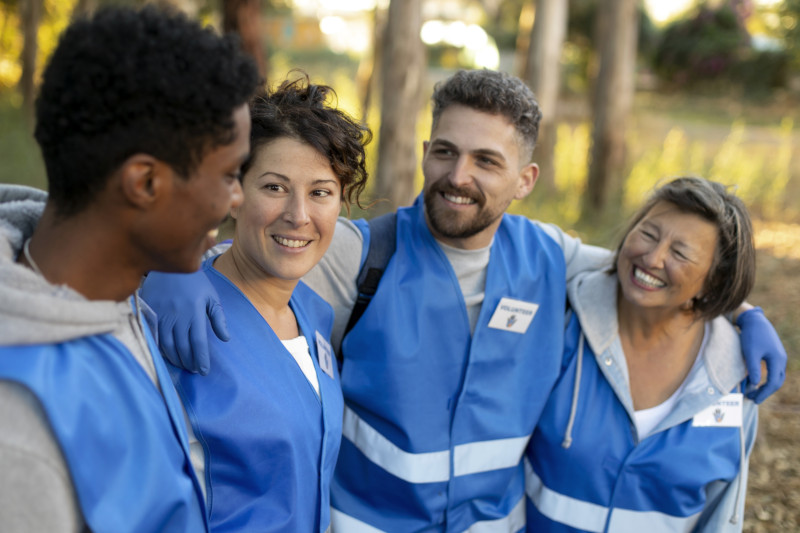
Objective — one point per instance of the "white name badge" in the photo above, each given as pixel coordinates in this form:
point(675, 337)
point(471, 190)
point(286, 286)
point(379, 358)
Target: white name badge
point(513, 315)
point(324, 355)
point(725, 413)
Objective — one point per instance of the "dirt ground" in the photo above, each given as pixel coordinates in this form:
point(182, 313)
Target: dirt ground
point(773, 497)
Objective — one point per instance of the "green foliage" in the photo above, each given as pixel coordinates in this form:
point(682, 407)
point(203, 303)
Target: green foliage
point(711, 49)
point(789, 13)
point(758, 161)
point(18, 150)
point(701, 47)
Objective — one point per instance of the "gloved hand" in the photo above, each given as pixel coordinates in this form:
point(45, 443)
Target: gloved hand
point(186, 304)
point(760, 342)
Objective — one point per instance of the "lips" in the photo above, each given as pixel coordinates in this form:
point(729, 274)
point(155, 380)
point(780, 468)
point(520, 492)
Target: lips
point(461, 200)
point(645, 279)
point(290, 243)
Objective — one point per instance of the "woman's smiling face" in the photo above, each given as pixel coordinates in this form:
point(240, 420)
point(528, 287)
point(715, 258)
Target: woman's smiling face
point(666, 258)
point(292, 199)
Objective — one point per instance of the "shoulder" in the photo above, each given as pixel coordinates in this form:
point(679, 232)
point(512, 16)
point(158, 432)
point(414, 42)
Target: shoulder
point(338, 268)
point(531, 234)
point(313, 305)
point(724, 360)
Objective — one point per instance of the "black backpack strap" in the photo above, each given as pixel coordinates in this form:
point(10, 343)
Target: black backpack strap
point(382, 244)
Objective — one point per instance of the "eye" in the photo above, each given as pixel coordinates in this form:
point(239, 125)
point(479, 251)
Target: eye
point(443, 152)
point(680, 255)
point(273, 187)
point(648, 235)
point(320, 193)
point(488, 161)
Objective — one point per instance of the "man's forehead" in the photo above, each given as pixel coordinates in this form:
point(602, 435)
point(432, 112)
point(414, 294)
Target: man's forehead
point(470, 129)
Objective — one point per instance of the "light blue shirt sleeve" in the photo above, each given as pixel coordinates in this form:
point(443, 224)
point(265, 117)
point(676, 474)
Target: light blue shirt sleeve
point(578, 256)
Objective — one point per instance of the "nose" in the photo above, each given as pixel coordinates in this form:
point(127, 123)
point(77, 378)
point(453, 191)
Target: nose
point(460, 175)
point(654, 258)
point(296, 211)
point(237, 195)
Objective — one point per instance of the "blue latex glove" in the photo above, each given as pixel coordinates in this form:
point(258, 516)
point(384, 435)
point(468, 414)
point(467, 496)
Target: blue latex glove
point(186, 304)
point(760, 342)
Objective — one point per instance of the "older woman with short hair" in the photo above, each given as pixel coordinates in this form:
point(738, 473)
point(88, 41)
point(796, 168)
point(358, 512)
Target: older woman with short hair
point(647, 429)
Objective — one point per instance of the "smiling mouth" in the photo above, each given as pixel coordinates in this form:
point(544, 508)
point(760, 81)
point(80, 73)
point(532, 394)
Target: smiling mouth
point(647, 280)
point(290, 243)
point(461, 200)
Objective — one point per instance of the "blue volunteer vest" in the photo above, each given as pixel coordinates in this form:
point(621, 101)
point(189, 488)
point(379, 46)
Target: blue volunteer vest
point(437, 419)
point(270, 443)
point(606, 482)
point(124, 443)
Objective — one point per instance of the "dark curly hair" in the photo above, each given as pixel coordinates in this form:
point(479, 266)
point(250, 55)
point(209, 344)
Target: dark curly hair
point(733, 270)
point(493, 92)
point(135, 81)
point(301, 110)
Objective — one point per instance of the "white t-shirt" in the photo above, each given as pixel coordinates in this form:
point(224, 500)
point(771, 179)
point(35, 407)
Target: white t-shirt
point(647, 419)
point(298, 347)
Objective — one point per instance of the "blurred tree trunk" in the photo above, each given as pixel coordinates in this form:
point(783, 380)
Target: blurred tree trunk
point(402, 71)
point(612, 102)
point(542, 73)
point(31, 17)
point(365, 76)
point(244, 18)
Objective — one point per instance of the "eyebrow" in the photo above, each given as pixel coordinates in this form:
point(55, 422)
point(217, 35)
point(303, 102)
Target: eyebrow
point(478, 151)
point(679, 243)
point(283, 177)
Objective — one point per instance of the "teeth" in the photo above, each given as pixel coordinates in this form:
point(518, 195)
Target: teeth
point(647, 279)
point(459, 199)
point(290, 243)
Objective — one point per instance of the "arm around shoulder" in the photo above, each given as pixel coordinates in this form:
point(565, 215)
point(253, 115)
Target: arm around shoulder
point(579, 257)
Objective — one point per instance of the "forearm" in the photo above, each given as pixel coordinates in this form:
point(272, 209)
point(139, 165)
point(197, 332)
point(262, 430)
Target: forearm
point(579, 257)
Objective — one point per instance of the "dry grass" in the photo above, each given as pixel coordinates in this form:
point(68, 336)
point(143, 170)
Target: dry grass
point(773, 497)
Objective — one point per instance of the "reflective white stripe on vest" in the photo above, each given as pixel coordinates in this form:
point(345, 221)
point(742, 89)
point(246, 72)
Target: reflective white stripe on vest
point(430, 467)
point(412, 467)
point(488, 455)
point(592, 517)
point(511, 523)
point(344, 523)
point(563, 509)
point(625, 521)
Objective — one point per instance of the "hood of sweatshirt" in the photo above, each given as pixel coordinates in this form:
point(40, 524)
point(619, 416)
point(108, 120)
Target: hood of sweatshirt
point(32, 310)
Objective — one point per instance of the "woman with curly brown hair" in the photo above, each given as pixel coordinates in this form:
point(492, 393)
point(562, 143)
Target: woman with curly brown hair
point(267, 418)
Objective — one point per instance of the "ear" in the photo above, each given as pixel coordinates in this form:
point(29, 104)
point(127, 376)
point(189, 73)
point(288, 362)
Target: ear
point(527, 179)
point(425, 146)
point(145, 180)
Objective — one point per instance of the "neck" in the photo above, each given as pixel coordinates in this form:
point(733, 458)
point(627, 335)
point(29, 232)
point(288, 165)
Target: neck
point(269, 295)
point(84, 253)
point(648, 323)
point(660, 349)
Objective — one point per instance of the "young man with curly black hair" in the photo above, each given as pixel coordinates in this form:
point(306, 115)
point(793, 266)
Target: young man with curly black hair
point(143, 124)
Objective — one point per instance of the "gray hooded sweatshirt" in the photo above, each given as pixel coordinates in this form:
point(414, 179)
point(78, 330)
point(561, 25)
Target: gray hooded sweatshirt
point(36, 491)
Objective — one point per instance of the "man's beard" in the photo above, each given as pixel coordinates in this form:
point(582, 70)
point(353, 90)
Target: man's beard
point(451, 225)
